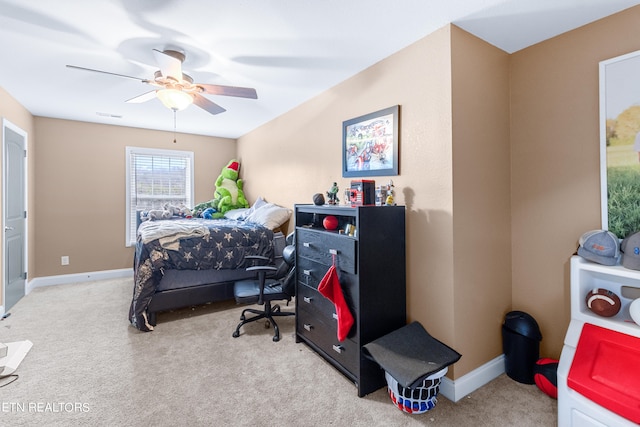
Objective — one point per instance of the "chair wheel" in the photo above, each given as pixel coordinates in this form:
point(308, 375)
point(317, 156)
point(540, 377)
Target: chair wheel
point(236, 334)
point(267, 324)
point(276, 339)
point(242, 318)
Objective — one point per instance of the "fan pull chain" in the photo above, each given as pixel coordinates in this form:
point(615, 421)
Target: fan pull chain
point(174, 126)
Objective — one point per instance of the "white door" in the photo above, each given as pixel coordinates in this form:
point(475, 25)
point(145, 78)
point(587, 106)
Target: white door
point(14, 213)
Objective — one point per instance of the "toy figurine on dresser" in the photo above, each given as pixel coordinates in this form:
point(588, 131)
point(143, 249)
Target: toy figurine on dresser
point(390, 194)
point(332, 194)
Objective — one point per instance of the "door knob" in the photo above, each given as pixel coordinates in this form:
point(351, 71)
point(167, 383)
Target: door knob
point(6, 228)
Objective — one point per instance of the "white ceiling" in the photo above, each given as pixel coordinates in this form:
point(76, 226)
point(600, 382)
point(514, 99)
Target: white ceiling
point(288, 50)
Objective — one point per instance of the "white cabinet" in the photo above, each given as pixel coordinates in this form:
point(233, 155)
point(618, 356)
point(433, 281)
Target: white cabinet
point(575, 409)
point(586, 275)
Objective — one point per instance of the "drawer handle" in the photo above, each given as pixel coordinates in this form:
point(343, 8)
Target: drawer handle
point(335, 316)
point(338, 348)
point(308, 327)
point(306, 272)
point(307, 299)
point(306, 244)
point(333, 251)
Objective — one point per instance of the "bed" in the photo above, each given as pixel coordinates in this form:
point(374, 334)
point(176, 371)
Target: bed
point(182, 262)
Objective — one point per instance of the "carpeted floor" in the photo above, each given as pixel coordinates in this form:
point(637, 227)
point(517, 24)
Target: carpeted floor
point(89, 367)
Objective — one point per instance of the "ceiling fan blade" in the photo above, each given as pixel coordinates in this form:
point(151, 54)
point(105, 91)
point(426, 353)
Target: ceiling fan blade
point(170, 66)
point(142, 98)
point(241, 92)
point(107, 72)
point(207, 105)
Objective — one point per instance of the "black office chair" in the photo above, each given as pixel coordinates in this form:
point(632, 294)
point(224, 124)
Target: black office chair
point(274, 283)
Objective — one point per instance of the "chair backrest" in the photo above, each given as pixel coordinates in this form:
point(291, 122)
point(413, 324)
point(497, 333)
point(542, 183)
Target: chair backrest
point(285, 263)
point(288, 282)
point(279, 243)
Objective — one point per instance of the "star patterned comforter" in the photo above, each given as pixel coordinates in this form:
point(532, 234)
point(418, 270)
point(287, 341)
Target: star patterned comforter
point(190, 244)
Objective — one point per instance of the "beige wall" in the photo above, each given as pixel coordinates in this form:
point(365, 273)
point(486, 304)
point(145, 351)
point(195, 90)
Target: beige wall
point(555, 162)
point(483, 238)
point(12, 111)
point(80, 189)
point(454, 177)
point(309, 158)
point(481, 198)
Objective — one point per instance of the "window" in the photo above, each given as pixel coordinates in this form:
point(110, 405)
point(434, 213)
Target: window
point(156, 177)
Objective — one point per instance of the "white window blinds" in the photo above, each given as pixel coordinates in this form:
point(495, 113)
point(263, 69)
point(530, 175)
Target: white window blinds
point(156, 177)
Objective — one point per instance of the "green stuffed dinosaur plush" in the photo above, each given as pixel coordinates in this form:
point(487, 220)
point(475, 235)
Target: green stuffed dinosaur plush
point(228, 194)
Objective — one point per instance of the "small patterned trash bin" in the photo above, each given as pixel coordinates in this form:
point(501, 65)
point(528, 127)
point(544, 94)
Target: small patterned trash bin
point(419, 399)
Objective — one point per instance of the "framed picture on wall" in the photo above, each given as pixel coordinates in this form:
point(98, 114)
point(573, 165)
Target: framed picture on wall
point(370, 144)
point(620, 144)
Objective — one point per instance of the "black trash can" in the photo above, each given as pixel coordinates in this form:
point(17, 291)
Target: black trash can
point(521, 346)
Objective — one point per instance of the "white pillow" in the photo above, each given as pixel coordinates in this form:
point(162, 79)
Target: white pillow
point(237, 214)
point(270, 215)
point(258, 203)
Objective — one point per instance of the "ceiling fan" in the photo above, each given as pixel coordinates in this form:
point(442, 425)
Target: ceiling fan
point(177, 90)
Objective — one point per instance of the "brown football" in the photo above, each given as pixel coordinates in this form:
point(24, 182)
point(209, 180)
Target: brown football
point(603, 302)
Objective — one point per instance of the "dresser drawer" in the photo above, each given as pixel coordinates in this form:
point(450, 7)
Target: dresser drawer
point(325, 337)
point(316, 304)
point(310, 273)
point(314, 301)
point(322, 246)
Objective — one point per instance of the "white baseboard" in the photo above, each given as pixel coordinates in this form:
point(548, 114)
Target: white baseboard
point(468, 383)
point(76, 278)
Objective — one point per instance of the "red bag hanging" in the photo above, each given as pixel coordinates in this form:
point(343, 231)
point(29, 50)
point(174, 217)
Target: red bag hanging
point(330, 288)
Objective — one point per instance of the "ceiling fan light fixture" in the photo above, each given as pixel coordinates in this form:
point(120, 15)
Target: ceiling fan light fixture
point(175, 89)
point(175, 99)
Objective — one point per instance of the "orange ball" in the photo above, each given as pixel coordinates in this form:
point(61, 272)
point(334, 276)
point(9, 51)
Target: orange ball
point(330, 222)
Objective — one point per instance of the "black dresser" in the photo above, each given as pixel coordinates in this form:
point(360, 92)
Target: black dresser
point(368, 247)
